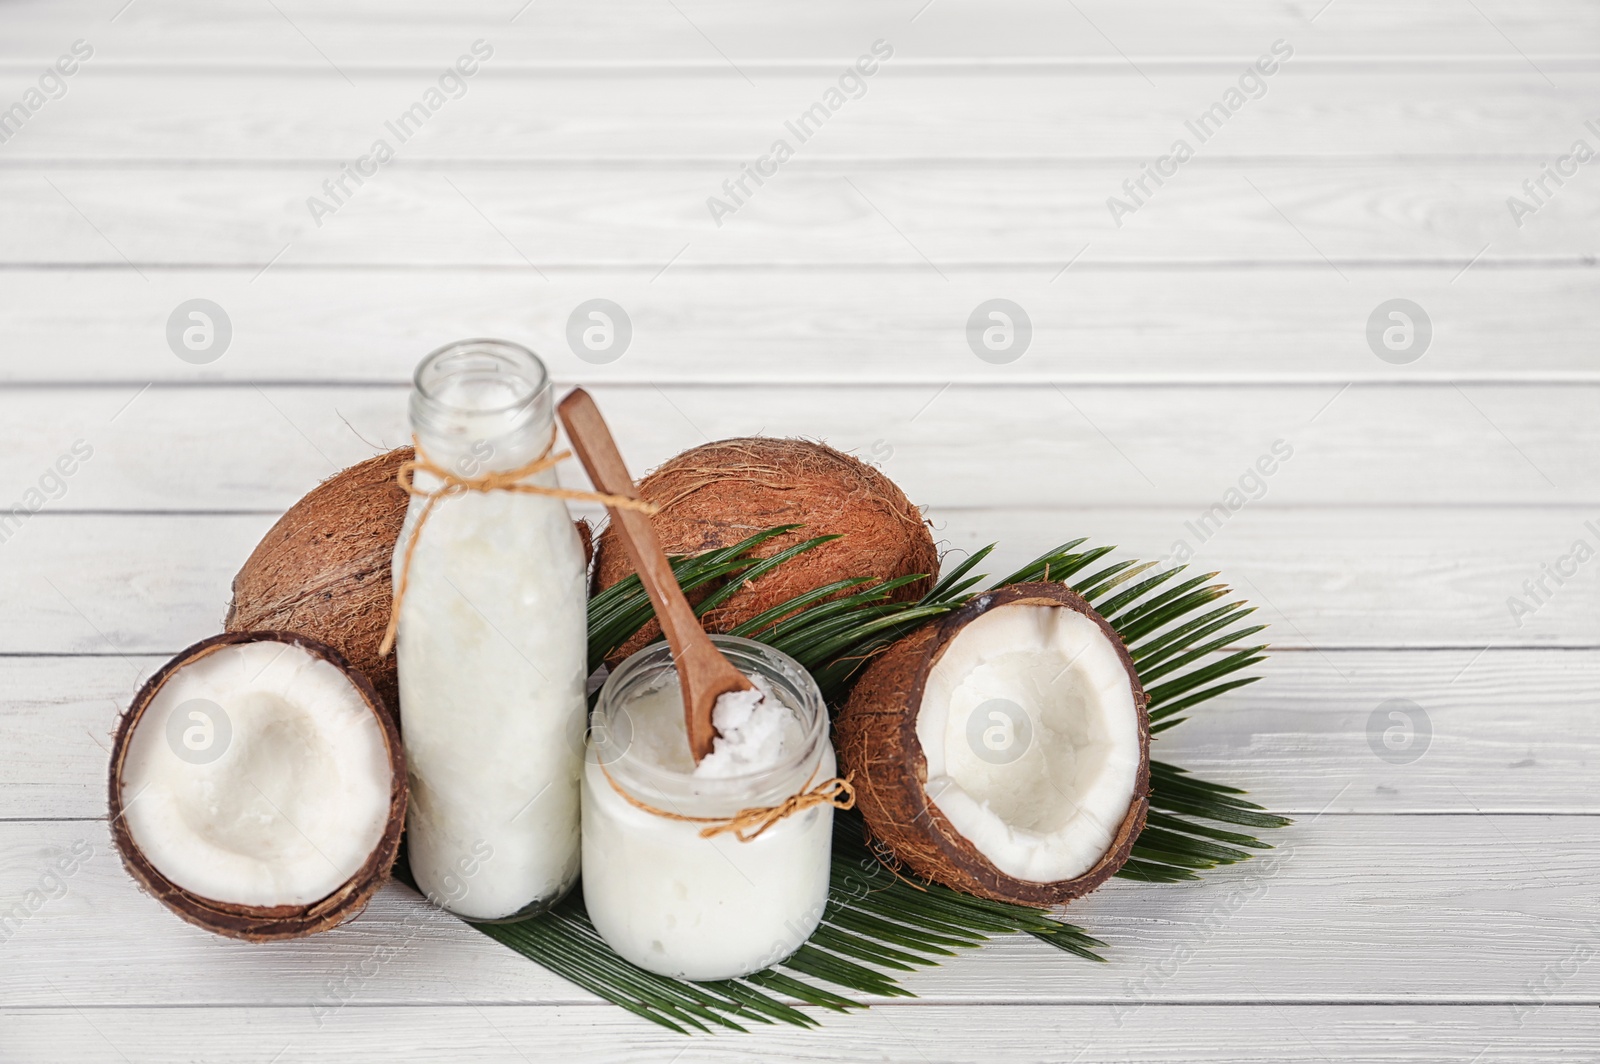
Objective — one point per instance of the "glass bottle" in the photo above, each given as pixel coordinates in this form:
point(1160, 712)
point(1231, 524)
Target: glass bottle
point(492, 645)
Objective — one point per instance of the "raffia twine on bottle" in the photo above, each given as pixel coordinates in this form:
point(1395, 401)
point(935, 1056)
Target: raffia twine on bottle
point(451, 483)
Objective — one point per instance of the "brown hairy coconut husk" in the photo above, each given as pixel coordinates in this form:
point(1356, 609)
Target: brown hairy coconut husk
point(879, 746)
point(718, 494)
point(259, 923)
point(324, 568)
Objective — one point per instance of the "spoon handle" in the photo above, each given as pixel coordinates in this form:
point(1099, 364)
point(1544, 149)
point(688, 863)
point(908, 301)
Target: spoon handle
point(701, 666)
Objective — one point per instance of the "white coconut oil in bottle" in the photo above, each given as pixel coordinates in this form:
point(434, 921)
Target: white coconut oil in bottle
point(492, 645)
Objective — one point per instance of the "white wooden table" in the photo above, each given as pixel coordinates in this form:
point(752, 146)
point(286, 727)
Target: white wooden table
point(1440, 909)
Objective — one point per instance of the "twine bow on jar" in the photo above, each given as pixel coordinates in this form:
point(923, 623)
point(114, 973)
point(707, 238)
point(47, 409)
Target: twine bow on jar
point(837, 792)
point(451, 483)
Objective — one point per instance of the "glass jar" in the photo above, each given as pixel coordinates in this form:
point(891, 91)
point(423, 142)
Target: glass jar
point(492, 645)
point(662, 895)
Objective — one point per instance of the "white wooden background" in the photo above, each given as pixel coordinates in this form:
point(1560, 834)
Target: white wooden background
point(1444, 909)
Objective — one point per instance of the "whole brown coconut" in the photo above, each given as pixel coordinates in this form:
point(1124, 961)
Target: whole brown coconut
point(718, 494)
point(878, 745)
point(258, 923)
point(324, 568)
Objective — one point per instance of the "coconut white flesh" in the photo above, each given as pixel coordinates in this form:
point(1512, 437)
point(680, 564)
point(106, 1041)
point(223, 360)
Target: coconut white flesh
point(1040, 800)
point(295, 803)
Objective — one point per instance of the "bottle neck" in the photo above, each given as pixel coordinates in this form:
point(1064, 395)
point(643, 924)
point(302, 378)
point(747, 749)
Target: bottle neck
point(482, 406)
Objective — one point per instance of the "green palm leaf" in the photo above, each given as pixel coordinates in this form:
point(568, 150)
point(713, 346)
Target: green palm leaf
point(878, 922)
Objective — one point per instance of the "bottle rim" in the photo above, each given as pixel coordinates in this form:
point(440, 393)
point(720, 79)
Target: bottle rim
point(516, 360)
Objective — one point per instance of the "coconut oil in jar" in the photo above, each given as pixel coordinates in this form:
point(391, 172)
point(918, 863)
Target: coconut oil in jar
point(662, 894)
point(492, 644)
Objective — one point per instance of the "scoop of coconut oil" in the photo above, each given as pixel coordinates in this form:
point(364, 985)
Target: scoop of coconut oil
point(752, 727)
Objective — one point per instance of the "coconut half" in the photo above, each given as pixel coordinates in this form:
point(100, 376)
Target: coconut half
point(1004, 750)
point(258, 788)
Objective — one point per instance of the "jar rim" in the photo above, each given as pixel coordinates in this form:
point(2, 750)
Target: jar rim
point(796, 684)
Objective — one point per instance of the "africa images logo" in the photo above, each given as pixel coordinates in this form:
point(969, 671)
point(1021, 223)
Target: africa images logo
point(1252, 85)
point(52, 86)
point(852, 85)
point(452, 85)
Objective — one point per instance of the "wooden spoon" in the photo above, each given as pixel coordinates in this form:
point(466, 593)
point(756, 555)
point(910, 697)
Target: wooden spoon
point(703, 672)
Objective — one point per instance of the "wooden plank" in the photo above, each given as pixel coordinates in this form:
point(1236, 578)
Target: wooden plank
point(424, 31)
point(56, 726)
point(184, 448)
point(1481, 731)
point(505, 115)
point(1379, 576)
point(1213, 212)
point(914, 1034)
point(901, 326)
point(1507, 731)
point(1323, 577)
point(1352, 909)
